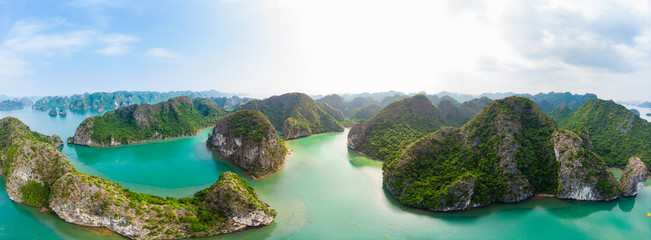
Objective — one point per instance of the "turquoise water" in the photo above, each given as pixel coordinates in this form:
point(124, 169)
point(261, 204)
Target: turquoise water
point(322, 182)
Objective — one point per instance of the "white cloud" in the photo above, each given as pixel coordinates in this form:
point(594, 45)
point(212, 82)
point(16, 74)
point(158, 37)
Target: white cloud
point(43, 37)
point(160, 52)
point(39, 42)
point(466, 46)
point(31, 37)
point(604, 36)
point(12, 66)
point(118, 44)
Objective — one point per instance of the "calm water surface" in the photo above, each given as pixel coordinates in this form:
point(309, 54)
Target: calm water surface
point(323, 182)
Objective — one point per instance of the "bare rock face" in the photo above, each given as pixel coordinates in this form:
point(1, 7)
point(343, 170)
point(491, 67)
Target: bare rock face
point(231, 197)
point(461, 191)
point(583, 175)
point(356, 135)
point(633, 177)
point(83, 135)
point(30, 163)
point(518, 187)
point(507, 153)
point(38, 175)
point(92, 201)
point(248, 139)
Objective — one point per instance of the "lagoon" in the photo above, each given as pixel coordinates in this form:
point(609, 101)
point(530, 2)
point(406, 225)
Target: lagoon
point(324, 191)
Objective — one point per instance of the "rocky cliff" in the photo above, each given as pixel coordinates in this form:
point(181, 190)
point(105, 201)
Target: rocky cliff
point(38, 175)
point(177, 117)
point(507, 153)
point(583, 175)
point(633, 177)
point(30, 162)
point(395, 126)
point(226, 206)
point(295, 115)
point(248, 139)
point(615, 132)
point(231, 197)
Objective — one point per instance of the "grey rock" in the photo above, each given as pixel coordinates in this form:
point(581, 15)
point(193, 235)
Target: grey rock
point(581, 170)
point(633, 177)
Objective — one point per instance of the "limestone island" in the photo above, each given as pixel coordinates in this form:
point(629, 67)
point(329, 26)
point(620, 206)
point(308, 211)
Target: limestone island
point(38, 175)
point(249, 140)
point(396, 125)
point(507, 153)
point(611, 131)
point(177, 117)
point(295, 115)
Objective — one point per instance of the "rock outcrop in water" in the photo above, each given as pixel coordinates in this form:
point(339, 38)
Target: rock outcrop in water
point(583, 175)
point(295, 115)
point(177, 117)
point(508, 153)
point(228, 205)
point(38, 175)
point(633, 177)
point(248, 139)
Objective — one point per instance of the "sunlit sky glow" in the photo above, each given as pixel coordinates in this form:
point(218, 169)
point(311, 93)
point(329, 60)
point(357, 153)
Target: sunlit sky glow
point(266, 47)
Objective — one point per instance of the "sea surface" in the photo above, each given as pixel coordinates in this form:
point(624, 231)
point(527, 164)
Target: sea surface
point(643, 111)
point(324, 191)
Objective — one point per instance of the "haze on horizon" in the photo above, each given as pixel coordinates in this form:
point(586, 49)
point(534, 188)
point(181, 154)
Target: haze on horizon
point(268, 47)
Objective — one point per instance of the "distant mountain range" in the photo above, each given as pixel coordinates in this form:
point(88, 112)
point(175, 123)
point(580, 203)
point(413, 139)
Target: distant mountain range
point(645, 105)
point(14, 103)
point(125, 98)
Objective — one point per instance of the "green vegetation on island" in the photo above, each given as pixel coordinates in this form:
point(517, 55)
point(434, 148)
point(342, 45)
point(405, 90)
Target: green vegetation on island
point(366, 112)
point(614, 132)
point(176, 117)
point(36, 174)
point(507, 153)
point(13, 104)
point(336, 113)
point(395, 126)
point(348, 108)
point(230, 103)
point(456, 114)
point(295, 115)
point(247, 138)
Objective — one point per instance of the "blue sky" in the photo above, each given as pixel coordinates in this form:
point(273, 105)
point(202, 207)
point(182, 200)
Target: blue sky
point(266, 47)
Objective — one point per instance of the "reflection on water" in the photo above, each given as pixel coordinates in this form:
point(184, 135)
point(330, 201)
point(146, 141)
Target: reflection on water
point(338, 190)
